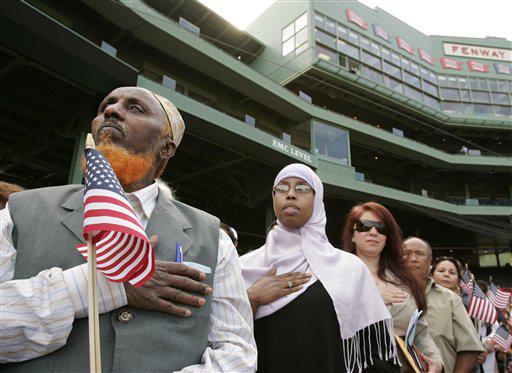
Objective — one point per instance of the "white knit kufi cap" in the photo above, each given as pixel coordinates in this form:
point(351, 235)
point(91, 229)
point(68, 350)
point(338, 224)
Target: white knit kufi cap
point(174, 118)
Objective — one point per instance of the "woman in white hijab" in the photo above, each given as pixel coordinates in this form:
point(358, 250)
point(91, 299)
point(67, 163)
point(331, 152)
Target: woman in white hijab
point(317, 308)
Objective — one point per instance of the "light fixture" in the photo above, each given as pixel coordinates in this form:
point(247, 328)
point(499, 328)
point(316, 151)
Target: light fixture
point(376, 157)
point(239, 57)
point(378, 125)
point(444, 139)
point(355, 117)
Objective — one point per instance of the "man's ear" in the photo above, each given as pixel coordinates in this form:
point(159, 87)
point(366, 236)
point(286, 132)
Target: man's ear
point(168, 148)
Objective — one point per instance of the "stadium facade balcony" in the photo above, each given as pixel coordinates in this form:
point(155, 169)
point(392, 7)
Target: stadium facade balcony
point(422, 124)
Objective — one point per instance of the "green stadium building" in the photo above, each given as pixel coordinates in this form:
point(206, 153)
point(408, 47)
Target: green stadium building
point(381, 111)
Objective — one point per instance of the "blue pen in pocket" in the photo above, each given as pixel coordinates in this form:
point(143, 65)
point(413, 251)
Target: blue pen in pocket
point(179, 253)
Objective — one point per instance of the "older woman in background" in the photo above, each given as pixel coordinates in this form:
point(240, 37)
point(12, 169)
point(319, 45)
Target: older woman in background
point(447, 272)
point(317, 308)
point(372, 233)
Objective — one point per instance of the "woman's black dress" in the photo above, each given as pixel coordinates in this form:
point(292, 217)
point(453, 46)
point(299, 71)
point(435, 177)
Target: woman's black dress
point(304, 336)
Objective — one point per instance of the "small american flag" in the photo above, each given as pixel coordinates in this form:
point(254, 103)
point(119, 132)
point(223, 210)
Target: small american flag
point(465, 282)
point(480, 307)
point(499, 298)
point(123, 251)
point(503, 338)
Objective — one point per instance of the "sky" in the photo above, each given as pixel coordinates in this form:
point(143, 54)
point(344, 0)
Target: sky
point(469, 18)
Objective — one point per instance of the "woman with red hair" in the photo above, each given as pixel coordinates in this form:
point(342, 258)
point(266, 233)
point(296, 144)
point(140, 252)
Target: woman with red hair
point(372, 233)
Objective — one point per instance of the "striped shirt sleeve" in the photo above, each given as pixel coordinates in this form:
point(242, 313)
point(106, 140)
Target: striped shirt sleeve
point(37, 313)
point(231, 345)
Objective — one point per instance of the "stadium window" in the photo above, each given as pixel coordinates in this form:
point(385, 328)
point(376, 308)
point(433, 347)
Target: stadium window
point(502, 86)
point(463, 82)
point(371, 60)
point(331, 142)
point(503, 111)
point(169, 82)
point(325, 39)
point(109, 49)
point(481, 96)
point(348, 49)
point(394, 84)
point(500, 98)
point(415, 68)
point(412, 79)
point(430, 88)
point(376, 48)
point(395, 58)
point(450, 107)
point(342, 32)
point(365, 43)
point(493, 84)
point(319, 21)
point(424, 73)
point(330, 26)
point(251, 121)
point(353, 37)
point(443, 81)
point(413, 93)
point(467, 108)
point(406, 64)
point(386, 54)
point(473, 83)
point(295, 35)
point(327, 55)
point(392, 70)
point(464, 95)
point(433, 77)
point(482, 109)
point(453, 82)
point(431, 101)
point(449, 94)
point(484, 84)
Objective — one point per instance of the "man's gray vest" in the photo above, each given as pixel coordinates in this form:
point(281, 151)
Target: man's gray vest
point(47, 227)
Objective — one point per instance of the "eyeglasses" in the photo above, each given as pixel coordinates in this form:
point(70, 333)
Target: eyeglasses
point(299, 188)
point(367, 225)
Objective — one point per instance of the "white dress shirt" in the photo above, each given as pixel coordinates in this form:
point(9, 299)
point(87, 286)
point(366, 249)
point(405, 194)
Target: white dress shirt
point(37, 314)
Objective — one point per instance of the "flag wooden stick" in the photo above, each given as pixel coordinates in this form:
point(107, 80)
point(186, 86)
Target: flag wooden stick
point(92, 295)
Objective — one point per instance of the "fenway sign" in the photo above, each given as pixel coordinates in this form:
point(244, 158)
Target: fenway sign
point(426, 57)
point(354, 18)
point(477, 51)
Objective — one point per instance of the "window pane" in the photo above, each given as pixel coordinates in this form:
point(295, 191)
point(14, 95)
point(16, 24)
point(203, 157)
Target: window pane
point(325, 39)
point(406, 64)
point(500, 98)
point(482, 109)
point(412, 79)
point(327, 54)
point(330, 26)
point(415, 69)
point(413, 93)
point(443, 81)
point(503, 111)
point(502, 86)
point(372, 74)
point(450, 107)
point(449, 94)
point(394, 84)
point(386, 54)
point(484, 84)
point(376, 48)
point(301, 22)
point(473, 83)
point(348, 49)
point(424, 73)
point(331, 142)
point(464, 95)
point(342, 32)
point(431, 101)
point(288, 46)
point(493, 84)
point(480, 96)
point(371, 59)
point(301, 37)
point(288, 32)
point(302, 48)
point(365, 43)
point(463, 82)
point(319, 20)
point(395, 58)
point(430, 88)
point(433, 77)
point(452, 81)
point(467, 109)
point(353, 37)
point(392, 70)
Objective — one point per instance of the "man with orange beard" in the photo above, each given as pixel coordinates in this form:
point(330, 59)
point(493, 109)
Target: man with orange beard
point(182, 319)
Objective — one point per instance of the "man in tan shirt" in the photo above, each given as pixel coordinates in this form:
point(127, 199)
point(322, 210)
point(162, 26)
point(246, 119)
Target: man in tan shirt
point(449, 323)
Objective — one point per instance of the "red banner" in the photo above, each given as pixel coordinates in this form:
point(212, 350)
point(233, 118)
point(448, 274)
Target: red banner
point(426, 57)
point(450, 63)
point(404, 45)
point(354, 18)
point(477, 66)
